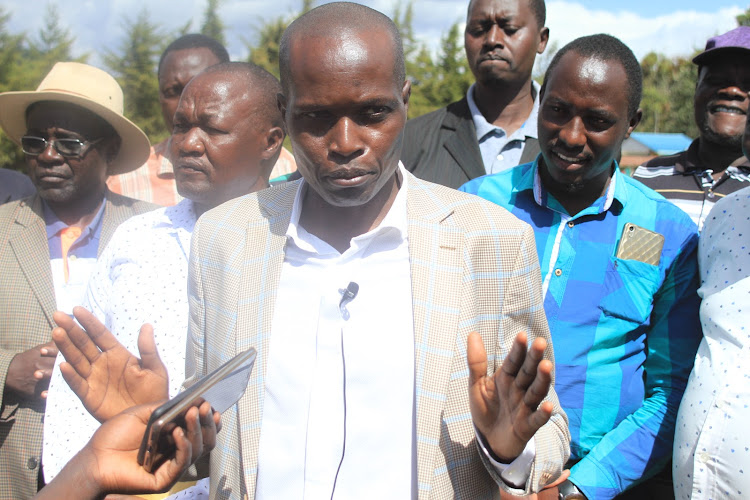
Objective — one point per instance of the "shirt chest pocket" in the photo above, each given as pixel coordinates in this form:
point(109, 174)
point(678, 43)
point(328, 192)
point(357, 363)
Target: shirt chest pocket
point(628, 290)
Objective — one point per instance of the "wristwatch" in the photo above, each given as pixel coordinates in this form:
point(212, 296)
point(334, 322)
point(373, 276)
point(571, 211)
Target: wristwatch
point(569, 491)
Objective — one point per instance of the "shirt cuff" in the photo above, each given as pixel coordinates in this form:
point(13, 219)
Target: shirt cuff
point(517, 472)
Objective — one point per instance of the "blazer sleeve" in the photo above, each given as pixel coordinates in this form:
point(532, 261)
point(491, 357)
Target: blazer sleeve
point(523, 310)
point(195, 365)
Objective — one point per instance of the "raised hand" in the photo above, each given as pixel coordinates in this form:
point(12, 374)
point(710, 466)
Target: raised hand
point(104, 375)
point(506, 406)
point(108, 463)
point(29, 371)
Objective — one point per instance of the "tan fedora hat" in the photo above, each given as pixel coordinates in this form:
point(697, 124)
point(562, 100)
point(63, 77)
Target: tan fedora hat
point(90, 88)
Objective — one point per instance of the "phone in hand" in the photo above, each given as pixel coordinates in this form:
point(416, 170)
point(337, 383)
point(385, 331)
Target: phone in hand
point(221, 388)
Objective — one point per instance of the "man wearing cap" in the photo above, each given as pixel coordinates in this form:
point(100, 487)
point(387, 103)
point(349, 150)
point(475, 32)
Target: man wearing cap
point(74, 134)
point(713, 166)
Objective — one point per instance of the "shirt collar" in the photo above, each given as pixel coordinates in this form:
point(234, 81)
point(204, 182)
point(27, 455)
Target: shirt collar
point(689, 162)
point(55, 225)
point(180, 216)
point(616, 190)
point(394, 222)
point(483, 127)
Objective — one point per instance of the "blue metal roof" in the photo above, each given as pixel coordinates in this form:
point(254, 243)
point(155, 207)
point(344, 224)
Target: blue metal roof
point(662, 144)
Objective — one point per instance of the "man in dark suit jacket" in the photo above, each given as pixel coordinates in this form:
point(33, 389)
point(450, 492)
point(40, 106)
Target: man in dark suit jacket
point(73, 134)
point(493, 128)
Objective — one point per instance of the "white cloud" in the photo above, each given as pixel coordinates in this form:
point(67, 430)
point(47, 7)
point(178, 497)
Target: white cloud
point(98, 25)
point(676, 34)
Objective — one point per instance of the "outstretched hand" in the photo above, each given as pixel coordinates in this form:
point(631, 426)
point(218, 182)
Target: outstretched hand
point(507, 407)
point(104, 375)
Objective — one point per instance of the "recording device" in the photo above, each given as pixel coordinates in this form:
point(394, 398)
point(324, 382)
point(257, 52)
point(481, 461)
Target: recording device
point(348, 294)
point(221, 388)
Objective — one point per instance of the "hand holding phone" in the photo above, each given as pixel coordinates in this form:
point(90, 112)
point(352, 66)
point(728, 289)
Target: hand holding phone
point(221, 388)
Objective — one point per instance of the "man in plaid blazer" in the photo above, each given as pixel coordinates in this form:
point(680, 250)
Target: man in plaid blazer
point(476, 399)
point(472, 267)
point(72, 135)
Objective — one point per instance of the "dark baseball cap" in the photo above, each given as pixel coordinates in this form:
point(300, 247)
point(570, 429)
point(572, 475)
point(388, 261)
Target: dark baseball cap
point(738, 40)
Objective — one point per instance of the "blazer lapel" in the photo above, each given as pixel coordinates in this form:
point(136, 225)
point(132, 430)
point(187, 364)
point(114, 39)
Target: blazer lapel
point(435, 249)
point(264, 256)
point(463, 145)
point(31, 249)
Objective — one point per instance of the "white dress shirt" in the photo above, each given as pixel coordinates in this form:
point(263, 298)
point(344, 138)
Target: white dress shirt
point(711, 445)
point(339, 400)
point(141, 277)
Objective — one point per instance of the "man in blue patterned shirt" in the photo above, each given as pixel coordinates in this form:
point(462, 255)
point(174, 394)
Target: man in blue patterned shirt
point(624, 323)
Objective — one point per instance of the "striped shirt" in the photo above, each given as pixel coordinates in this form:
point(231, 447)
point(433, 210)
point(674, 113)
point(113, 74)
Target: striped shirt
point(152, 182)
point(683, 180)
point(625, 332)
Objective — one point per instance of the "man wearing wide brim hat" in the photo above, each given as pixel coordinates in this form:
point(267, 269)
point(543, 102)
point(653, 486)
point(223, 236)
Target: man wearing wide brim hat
point(713, 166)
point(73, 133)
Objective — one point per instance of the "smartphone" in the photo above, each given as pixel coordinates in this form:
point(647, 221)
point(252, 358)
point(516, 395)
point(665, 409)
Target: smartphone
point(221, 388)
point(638, 243)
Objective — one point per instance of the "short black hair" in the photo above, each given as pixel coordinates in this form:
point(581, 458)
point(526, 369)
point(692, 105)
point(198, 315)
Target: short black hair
point(339, 18)
point(606, 48)
point(195, 41)
point(538, 7)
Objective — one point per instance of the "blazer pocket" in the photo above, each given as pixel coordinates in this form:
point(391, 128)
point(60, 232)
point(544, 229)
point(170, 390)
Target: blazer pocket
point(629, 289)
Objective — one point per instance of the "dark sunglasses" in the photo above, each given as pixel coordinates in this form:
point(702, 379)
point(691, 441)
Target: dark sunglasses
point(69, 148)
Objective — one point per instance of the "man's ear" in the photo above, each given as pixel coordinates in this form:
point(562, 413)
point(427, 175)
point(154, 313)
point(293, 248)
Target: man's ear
point(274, 139)
point(543, 40)
point(406, 93)
point(634, 121)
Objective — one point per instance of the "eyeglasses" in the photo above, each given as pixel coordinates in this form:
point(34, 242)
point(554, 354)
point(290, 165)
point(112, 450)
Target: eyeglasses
point(69, 148)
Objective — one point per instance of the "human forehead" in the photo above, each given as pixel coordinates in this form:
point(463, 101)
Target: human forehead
point(45, 115)
point(730, 64)
point(358, 60)
point(491, 9)
point(186, 63)
point(216, 94)
point(588, 72)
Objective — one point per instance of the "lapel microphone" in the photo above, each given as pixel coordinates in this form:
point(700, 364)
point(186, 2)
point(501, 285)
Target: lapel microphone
point(347, 295)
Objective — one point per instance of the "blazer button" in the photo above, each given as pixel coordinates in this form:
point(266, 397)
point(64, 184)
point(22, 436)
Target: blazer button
point(32, 463)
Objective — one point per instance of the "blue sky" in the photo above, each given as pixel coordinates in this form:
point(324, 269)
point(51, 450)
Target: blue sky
point(672, 27)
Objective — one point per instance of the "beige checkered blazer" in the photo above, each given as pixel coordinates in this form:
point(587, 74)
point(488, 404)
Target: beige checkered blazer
point(27, 301)
point(474, 268)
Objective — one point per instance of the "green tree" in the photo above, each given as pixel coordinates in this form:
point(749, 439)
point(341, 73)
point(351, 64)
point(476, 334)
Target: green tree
point(265, 53)
point(744, 18)
point(212, 25)
point(134, 67)
point(668, 88)
point(437, 81)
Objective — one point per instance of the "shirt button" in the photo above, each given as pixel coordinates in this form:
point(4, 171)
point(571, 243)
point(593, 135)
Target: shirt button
point(32, 463)
point(558, 272)
point(571, 224)
point(703, 457)
point(72, 257)
point(500, 157)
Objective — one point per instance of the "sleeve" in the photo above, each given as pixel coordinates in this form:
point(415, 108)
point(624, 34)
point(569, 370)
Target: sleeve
point(9, 406)
point(642, 442)
point(195, 365)
point(523, 310)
